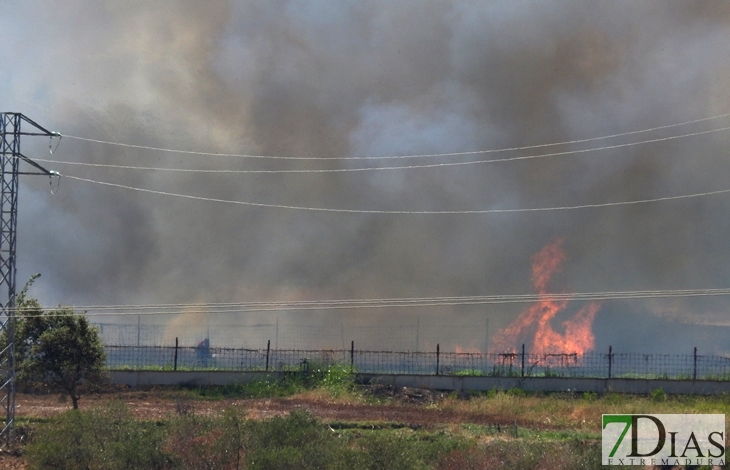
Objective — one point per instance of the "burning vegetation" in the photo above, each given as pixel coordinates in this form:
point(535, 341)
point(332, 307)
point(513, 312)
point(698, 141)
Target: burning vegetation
point(533, 326)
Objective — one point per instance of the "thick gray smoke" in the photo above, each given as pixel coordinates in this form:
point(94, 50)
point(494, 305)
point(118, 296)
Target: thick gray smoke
point(330, 79)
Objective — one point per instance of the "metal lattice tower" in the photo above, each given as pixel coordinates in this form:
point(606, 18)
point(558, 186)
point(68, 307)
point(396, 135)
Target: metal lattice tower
point(10, 134)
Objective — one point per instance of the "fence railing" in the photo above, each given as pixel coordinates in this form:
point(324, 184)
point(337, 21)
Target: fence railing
point(513, 364)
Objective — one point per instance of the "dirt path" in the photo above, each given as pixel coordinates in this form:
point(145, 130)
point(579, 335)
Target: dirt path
point(149, 405)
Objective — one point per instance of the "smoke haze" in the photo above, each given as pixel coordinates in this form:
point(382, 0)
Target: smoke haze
point(344, 79)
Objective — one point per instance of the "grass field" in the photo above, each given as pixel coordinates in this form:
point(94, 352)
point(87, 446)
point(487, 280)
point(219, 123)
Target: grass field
point(327, 421)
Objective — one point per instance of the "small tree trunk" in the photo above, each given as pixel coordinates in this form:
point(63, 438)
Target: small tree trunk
point(75, 401)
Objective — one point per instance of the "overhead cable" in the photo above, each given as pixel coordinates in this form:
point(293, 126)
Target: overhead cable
point(406, 167)
point(353, 304)
point(475, 152)
point(529, 297)
point(401, 212)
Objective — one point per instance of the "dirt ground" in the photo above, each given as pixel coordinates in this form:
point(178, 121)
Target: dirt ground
point(12, 462)
point(409, 408)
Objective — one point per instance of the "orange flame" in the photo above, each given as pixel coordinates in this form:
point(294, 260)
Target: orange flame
point(536, 319)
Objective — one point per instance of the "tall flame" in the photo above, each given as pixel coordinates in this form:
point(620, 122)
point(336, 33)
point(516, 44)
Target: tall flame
point(536, 319)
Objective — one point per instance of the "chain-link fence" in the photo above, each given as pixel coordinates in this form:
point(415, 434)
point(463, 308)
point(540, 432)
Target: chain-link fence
point(593, 364)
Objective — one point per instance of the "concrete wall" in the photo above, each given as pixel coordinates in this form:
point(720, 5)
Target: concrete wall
point(441, 382)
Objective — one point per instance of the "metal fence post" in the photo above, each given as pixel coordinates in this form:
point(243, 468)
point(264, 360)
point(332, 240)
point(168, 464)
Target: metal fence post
point(610, 360)
point(268, 349)
point(523, 359)
point(409, 362)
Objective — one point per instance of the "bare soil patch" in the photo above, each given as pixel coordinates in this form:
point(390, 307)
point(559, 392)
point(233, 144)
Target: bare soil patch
point(12, 461)
point(410, 407)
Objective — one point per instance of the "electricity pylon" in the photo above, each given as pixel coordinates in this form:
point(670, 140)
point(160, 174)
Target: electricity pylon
point(10, 133)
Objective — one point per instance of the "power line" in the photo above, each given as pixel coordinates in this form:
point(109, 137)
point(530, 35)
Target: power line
point(353, 304)
point(407, 167)
point(557, 295)
point(402, 212)
point(506, 149)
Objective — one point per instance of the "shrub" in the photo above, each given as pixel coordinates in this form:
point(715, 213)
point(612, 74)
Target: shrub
point(384, 453)
point(521, 454)
point(106, 438)
point(189, 441)
point(337, 379)
point(658, 395)
point(516, 392)
point(294, 438)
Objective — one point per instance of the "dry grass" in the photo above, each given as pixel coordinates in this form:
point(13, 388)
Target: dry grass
point(574, 411)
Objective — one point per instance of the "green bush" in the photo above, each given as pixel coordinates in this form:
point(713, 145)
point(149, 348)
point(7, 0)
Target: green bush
point(658, 395)
point(520, 454)
point(338, 379)
point(516, 392)
point(385, 452)
point(104, 438)
point(296, 441)
point(189, 440)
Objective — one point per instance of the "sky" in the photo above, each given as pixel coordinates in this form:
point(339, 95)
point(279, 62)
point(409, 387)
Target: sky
point(370, 79)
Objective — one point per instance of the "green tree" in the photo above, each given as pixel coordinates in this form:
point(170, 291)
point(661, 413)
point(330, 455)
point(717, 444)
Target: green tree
point(59, 349)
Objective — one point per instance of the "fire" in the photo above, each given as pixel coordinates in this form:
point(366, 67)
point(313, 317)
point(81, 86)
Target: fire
point(536, 320)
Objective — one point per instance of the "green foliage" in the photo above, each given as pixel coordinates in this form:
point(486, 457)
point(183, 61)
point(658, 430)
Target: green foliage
point(270, 387)
point(297, 441)
point(520, 454)
point(105, 438)
point(658, 395)
point(470, 373)
point(516, 392)
point(590, 396)
point(233, 441)
point(195, 442)
point(613, 398)
point(337, 379)
point(109, 438)
point(265, 388)
point(300, 441)
point(59, 349)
